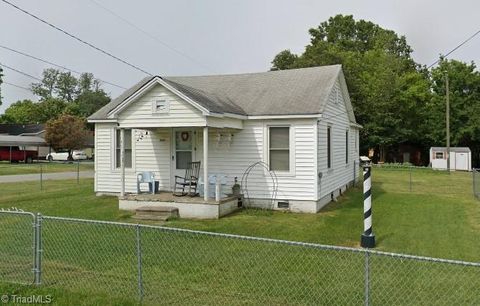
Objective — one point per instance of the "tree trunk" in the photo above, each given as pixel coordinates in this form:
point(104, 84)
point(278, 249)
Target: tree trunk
point(382, 153)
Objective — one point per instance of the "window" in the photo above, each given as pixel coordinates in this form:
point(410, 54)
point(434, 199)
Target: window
point(329, 147)
point(161, 106)
point(128, 148)
point(279, 148)
point(438, 155)
point(346, 147)
point(183, 149)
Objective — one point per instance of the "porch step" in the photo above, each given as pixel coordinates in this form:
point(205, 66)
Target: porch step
point(162, 213)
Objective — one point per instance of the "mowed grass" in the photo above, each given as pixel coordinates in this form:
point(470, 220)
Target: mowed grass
point(439, 217)
point(7, 168)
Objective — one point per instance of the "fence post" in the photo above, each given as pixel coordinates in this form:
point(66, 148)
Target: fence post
point(367, 278)
point(41, 177)
point(78, 172)
point(139, 263)
point(410, 179)
point(354, 173)
point(38, 249)
point(474, 183)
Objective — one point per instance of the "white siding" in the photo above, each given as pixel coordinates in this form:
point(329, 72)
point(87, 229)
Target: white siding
point(139, 112)
point(248, 147)
point(340, 173)
point(151, 152)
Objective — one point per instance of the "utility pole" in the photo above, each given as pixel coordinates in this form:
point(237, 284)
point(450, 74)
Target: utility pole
point(448, 120)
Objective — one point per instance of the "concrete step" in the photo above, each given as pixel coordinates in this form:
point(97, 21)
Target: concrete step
point(156, 213)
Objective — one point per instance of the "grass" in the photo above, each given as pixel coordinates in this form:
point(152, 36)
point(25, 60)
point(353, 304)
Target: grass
point(437, 217)
point(7, 168)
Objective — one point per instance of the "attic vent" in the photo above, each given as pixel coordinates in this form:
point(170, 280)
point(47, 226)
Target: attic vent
point(337, 95)
point(161, 106)
point(283, 204)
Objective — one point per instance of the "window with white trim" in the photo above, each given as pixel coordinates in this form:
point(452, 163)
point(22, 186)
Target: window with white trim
point(439, 155)
point(279, 148)
point(128, 148)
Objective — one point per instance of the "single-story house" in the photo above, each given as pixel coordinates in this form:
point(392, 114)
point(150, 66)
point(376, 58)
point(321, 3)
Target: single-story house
point(37, 130)
point(299, 122)
point(23, 132)
point(460, 158)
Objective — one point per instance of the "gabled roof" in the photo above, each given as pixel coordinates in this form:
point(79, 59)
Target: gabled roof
point(19, 129)
point(286, 92)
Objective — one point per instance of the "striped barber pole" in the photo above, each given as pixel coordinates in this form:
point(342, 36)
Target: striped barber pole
point(368, 238)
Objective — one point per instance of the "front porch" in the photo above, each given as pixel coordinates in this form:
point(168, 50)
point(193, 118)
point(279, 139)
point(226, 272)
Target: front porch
point(188, 207)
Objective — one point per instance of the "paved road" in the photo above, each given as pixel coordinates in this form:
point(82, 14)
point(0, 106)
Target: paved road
point(46, 176)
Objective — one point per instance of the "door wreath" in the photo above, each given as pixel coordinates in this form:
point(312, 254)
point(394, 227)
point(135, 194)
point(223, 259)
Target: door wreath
point(184, 136)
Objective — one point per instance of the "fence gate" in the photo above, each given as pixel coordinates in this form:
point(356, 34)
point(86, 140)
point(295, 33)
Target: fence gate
point(17, 247)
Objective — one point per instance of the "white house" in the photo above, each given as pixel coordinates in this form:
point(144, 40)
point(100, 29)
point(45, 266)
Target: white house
point(300, 122)
point(460, 158)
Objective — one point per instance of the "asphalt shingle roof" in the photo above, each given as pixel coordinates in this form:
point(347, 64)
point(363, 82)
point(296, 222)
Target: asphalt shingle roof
point(286, 92)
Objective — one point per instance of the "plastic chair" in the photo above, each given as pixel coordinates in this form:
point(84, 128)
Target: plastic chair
point(146, 177)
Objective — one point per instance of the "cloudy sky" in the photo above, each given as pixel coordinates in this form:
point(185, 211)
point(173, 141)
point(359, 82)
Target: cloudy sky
point(208, 36)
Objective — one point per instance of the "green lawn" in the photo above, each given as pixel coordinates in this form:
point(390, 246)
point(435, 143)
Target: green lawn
point(439, 217)
point(7, 168)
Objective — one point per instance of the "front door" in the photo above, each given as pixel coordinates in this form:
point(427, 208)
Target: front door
point(183, 151)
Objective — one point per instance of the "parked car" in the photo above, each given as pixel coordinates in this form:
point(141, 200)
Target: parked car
point(17, 155)
point(76, 155)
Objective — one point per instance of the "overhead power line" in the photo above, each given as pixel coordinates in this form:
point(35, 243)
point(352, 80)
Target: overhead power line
point(21, 72)
point(56, 65)
point(455, 49)
point(76, 37)
point(18, 86)
point(131, 24)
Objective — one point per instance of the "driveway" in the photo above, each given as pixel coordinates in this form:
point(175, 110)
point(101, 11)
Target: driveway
point(45, 176)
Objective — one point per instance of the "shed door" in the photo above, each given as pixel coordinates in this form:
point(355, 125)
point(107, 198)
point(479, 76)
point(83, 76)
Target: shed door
point(461, 161)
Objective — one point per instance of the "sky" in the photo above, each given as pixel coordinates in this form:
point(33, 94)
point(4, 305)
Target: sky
point(198, 37)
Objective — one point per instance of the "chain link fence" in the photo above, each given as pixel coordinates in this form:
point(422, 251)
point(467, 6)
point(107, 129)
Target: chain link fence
point(158, 265)
point(423, 180)
point(39, 172)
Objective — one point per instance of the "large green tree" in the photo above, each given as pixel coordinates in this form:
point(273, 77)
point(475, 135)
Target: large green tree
point(384, 82)
point(464, 86)
point(59, 93)
point(22, 112)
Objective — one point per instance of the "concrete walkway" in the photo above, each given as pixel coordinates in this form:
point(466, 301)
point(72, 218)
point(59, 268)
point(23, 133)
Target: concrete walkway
point(45, 176)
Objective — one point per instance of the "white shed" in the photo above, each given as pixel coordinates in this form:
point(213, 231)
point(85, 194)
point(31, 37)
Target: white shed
point(460, 158)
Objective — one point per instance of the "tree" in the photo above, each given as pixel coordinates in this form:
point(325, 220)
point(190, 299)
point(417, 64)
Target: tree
point(284, 60)
point(66, 86)
point(67, 132)
point(464, 85)
point(45, 89)
point(384, 82)
point(60, 92)
point(89, 102)
point(50, 109)
point(21, 112)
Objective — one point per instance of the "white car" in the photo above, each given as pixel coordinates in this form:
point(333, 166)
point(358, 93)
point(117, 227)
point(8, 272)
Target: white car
point(76, 155)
